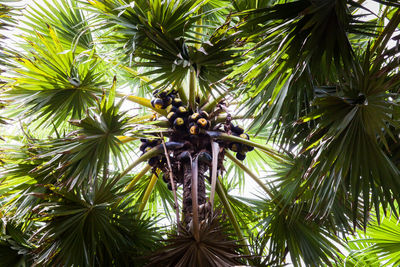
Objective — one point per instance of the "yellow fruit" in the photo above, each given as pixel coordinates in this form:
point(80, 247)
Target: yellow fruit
point(194, 130)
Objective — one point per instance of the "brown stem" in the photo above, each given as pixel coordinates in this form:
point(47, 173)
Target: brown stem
point(195, 204)
point(187, 191)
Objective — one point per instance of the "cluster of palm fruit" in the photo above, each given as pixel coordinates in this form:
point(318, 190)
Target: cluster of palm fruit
point(148, 144)
point(240, 149)
point(179, 116)
point(188, 135)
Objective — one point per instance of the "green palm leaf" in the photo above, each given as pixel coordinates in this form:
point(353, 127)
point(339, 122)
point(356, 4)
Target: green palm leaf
point(52, 82)
point(94, 225)
point(87, 151)
point(66, 18)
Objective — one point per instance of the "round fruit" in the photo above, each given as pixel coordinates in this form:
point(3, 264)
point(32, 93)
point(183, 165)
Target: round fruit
point(179, 123)
point(250, 148)
point(158, 103)
point(244, 136)
point(167, 101)
point(204, 114)
point(235, 147)
point(153, 161)
point(182, 110)
point(203, 123)
point(172, 116)
point(236, 130)
point(171, 108)
point(177, 102)
point(143, 147)
point(195, 117)
point(153, 142)
point(240, 156)
point(165, 178)
point(194, 129)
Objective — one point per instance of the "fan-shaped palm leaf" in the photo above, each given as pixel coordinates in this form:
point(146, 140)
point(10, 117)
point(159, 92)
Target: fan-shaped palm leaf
point(52, 82)
point(88, 227)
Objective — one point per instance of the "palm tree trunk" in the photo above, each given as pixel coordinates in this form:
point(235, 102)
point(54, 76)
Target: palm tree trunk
point(187, 191)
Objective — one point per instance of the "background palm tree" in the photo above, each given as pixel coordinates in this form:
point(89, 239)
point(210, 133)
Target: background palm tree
point(134, 123)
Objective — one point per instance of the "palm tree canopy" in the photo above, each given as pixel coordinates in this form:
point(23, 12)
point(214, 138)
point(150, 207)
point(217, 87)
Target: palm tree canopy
point(131, 126)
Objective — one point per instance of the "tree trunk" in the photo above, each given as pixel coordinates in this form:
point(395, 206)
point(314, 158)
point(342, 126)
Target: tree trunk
point(187, 191)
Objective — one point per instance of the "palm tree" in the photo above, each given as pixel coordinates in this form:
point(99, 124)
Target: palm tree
point(135, 121)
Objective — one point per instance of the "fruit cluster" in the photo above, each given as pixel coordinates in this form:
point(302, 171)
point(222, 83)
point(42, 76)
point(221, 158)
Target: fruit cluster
point(164, 99)
point(179, 116)
point(240, 149)
point(188, 136)
point(148, 144)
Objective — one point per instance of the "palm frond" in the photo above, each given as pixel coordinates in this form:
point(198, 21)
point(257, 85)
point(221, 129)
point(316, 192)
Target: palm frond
point(65, 17)
point(351, 132)
point(87, 151)
point(15, 249)
point(89, 227)
point(380, 244)
point(289, 232)
point(51, 82)
point(215, 247)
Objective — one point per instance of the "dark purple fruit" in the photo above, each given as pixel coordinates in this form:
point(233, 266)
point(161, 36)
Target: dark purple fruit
point(158, 103)
point(177, 102)
point(235, 147)
point(165, 178)
point(153, 161)
point(143, 147)
point(172, 116)
point(179, 123)
point(153, 142)
point(240, 156)
point(171, 108)
point(236, 130)
point(167, 101)
point(182, 111)
point(244, 136)
point(194, 117)
point(204, 114)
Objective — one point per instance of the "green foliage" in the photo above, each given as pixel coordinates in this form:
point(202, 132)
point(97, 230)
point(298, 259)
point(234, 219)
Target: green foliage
point(53, 83)
point(87, 227)
point(214, 248)
point(380, 245)
point(15, 249)
point(66, 18)
point(315, 83)
point(85, 152)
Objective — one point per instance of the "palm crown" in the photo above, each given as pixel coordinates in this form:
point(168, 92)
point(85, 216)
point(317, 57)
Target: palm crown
point(135, 113)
